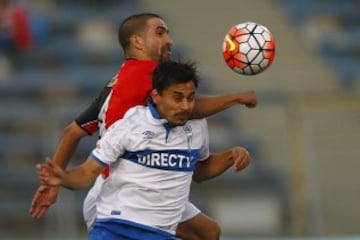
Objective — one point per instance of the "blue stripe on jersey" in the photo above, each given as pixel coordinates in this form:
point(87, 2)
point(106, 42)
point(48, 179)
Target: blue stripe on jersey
point(152, 109)
point(111, 229)
point(98, 159)
point(173, 160)
point(156, 115)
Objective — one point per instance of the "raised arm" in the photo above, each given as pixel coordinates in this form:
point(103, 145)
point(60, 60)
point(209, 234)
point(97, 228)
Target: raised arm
point(218, 163)
point(206, 106)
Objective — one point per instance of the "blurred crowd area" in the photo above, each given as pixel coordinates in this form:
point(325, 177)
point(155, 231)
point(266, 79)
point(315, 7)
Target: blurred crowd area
point(303, 182)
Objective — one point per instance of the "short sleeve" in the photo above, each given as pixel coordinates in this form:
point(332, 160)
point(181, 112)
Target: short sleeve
point(112, 144)
point(88, 119)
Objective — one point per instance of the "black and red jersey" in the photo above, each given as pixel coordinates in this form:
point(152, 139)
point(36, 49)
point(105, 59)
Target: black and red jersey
point(89, 119)
point(130, 87)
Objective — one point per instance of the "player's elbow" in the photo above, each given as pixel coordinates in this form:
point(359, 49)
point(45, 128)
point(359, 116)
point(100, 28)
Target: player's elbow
point(74, 131)
point(203, 171)
point(198, 178)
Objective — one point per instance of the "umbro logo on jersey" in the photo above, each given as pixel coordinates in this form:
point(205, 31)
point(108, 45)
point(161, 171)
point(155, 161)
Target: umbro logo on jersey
point(148, 135)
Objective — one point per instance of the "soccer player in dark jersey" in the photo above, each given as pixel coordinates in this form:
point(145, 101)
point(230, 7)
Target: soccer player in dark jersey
point(145, 40)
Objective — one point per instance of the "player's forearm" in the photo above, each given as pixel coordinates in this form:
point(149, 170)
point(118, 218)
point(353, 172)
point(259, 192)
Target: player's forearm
point(206, 106)
point(74, 181)
point(215, 165)
point(77, 178)
point(68, 144)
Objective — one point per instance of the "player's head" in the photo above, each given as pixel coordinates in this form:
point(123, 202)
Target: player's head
point(174, 87)
point(145, 36)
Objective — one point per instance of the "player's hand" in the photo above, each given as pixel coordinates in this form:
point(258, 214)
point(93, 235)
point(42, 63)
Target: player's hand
point(248, 98)
point(50, 174)
point(241, 158)
point(44, 197)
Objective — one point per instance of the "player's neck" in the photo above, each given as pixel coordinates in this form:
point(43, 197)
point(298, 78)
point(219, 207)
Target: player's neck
point(138, 56)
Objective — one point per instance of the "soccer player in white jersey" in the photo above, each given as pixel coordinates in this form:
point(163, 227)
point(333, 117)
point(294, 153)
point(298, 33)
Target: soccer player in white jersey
point(154, 152)
point(145, 40)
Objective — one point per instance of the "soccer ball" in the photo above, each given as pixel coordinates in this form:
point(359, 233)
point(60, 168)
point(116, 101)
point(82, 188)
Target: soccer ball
point(249, 48)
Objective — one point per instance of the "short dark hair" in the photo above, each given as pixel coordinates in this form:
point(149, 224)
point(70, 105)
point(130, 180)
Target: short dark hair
point(171, 72)
point(133, 25)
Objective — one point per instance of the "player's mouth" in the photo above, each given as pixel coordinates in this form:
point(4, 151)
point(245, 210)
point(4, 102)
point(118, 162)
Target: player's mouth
point(167, 52)
point(183, 116)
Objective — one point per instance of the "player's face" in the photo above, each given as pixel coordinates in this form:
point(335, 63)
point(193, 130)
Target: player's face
point(176, 102)
point(157, 41)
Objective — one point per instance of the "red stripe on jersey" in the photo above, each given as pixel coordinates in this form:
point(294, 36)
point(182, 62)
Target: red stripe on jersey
point(132, 88)
point(91, 127)
point(105, 172)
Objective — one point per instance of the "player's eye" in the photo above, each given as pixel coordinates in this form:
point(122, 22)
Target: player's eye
point(178, 97)
point(161, 31)
point(191, 97)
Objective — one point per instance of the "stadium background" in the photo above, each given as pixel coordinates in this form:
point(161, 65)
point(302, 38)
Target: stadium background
point(303, 182)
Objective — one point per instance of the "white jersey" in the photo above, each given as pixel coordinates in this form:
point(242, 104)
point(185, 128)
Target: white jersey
point(151, 167)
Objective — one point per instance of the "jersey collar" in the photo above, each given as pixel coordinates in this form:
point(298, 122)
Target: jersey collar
point(155, 115)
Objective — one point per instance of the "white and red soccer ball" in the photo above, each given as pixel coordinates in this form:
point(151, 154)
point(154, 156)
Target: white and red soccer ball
point(249, 48)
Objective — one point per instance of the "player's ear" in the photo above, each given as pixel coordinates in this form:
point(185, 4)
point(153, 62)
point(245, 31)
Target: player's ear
point(137, 41)
point(155, 96)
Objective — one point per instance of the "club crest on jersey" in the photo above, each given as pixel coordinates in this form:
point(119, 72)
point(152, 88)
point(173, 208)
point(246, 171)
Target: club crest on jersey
point(188, 132)
point(112, 82)
point(148, 135)
point(187, 129)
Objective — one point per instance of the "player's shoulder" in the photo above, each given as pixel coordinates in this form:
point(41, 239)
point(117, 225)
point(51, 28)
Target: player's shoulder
point(198, 126)
point(135, 112)
point(134, 116)
point(131, 118)
point(112, 82)
point(198, 122)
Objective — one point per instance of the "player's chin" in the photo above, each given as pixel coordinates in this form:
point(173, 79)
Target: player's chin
point(180, 121)
point(177, 122)
point(166, 54)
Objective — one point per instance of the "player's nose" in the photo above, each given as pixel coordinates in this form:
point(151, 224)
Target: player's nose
point(186, 105)
point(169, 41)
